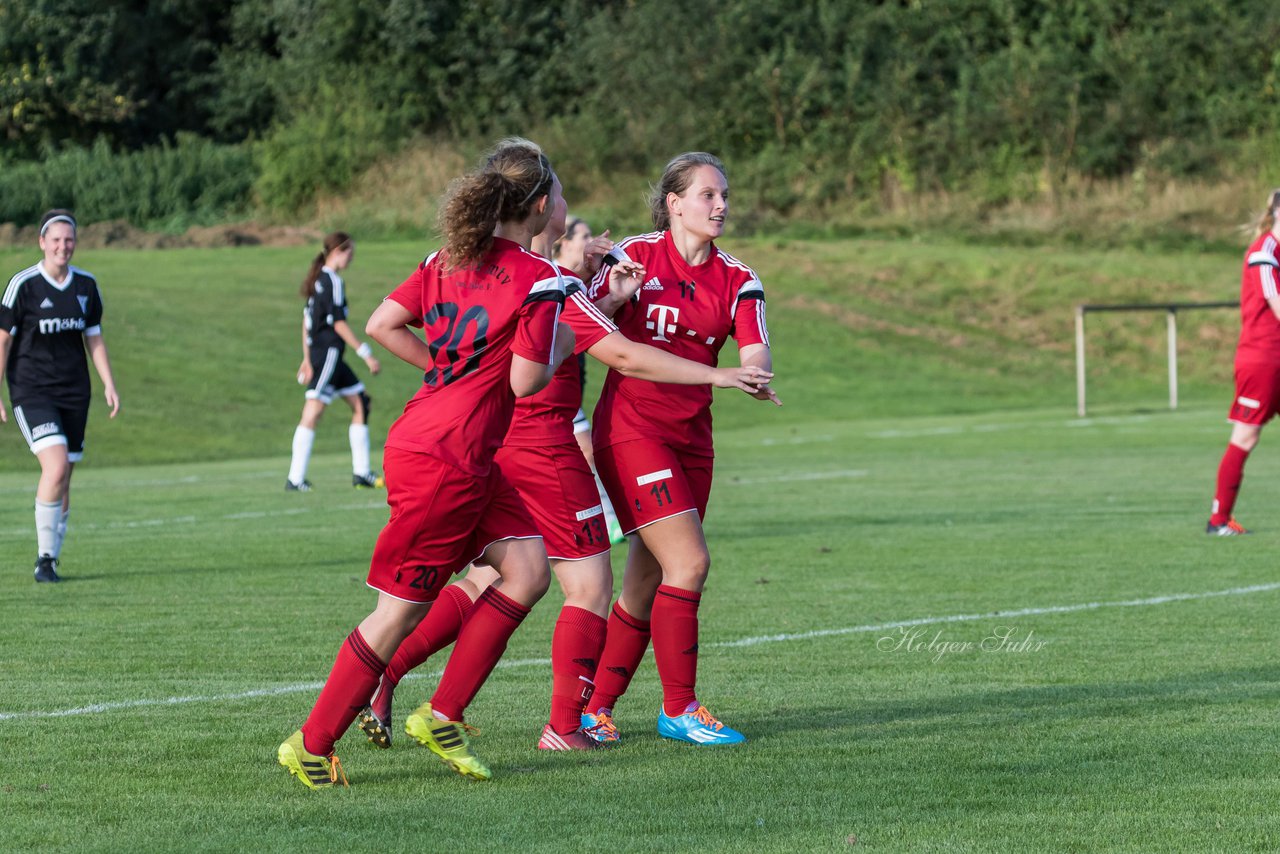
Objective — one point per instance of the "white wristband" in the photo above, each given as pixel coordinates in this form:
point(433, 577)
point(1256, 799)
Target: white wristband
point(364, 351)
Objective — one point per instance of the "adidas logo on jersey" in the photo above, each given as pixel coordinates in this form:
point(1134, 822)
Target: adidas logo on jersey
point(652, 285)
point(60, 324)
point(48, 303)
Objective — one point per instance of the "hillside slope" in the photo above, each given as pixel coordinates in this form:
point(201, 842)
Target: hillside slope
point(205, 342)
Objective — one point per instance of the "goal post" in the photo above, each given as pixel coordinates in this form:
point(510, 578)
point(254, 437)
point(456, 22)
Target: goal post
point(1171, 310)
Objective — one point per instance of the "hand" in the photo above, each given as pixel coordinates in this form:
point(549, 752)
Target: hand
point(374, 365)
point(4, 416)
point(113, 399)
point(597, 247)
point(766, 393)
point(305, 373)
point(754, 381)
point(625, 279)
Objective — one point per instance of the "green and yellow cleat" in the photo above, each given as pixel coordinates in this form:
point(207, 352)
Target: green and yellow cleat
point(448, 740)
point(315, 772)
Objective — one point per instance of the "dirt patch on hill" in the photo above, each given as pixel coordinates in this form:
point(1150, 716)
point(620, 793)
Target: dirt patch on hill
point(119, 234)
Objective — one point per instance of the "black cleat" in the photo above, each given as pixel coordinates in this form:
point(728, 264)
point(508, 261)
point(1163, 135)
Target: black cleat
point(46, 569)
point(290, 486)
point(367, 481)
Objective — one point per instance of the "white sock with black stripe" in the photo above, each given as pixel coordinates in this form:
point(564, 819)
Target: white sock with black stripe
point(61, 531)
point(358, 434)
point(303, 439)
point(47, 516)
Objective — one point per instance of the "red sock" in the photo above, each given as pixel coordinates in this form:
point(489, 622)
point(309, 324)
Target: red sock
point(675, 646)
point(438, 629)
point(575, 650)
point(350, 684)
point(480, 644)
point(1230, 474)
point(625, 642)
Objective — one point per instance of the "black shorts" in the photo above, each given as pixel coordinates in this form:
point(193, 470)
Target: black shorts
point(330, 376)
point(45, 424)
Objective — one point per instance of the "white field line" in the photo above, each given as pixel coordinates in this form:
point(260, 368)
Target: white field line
point(195, 520)
point(728, 479)
point(92, 481)
point(797, 476)
point(1001, 426)
point(303, 687)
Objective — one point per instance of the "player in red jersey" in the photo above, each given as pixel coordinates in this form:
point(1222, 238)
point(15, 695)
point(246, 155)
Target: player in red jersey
point(541, 458)
point(653, 441)
point(1257, 366)
point(489, 309)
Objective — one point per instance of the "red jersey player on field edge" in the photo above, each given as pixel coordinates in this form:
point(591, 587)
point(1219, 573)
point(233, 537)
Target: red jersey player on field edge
point(489, 311)
point(1257, 366)
point(653, 441)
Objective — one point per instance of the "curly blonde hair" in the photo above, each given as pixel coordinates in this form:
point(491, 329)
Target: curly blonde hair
point(503, 189)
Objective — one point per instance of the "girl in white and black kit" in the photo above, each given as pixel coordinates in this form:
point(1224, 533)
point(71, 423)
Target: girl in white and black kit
point(50, 315)
point(325, 335)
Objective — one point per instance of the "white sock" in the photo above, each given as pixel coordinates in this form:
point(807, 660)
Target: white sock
point(610, 518)
point(61, 531)
point(47, 516)
point(303, 439)
point(359, 436)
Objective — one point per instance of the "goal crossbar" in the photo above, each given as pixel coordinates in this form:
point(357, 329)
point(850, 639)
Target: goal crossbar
point(1170, 309)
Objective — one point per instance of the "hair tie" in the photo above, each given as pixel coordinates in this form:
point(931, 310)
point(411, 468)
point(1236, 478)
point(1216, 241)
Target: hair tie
point(542, 176)
point(58, 218)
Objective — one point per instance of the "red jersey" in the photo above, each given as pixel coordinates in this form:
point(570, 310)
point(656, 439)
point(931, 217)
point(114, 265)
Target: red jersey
point(1259, 327)
point(688, 311)
point(546, 418)
point(474, 319)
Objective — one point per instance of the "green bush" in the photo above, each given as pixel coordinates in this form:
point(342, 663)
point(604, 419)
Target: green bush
point(324, 147)
point(189, 181)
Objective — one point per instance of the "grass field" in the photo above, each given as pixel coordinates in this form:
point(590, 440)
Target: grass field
point(143, 699)
point(917, 497)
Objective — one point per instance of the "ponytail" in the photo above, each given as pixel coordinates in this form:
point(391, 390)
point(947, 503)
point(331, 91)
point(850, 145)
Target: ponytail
point(1267, 221)
point(332, 242)
point(504, 189)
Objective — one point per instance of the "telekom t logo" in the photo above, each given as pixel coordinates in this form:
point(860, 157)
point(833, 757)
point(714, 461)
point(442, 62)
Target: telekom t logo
point(664, 322)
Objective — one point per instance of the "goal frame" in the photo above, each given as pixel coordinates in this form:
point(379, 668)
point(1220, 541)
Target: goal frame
point(1171, 310)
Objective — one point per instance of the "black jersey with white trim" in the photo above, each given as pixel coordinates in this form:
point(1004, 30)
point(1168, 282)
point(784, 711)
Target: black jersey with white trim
point(48, 321)
point(326, 307)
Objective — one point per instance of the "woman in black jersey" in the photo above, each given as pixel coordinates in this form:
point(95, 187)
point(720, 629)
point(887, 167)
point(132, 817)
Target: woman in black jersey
point(325, 335)
point(51, 314)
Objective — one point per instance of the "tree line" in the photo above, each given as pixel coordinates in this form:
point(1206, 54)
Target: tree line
point(815, 104)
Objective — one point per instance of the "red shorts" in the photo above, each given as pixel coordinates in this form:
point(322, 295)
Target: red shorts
point(441, 519)
point(558, 488)
point(649, 481)
point(1257, 393)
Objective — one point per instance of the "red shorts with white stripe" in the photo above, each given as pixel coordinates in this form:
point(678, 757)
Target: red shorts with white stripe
point(441, 519)
point(1257, 393)
point(649, 481)
point(558, 488)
